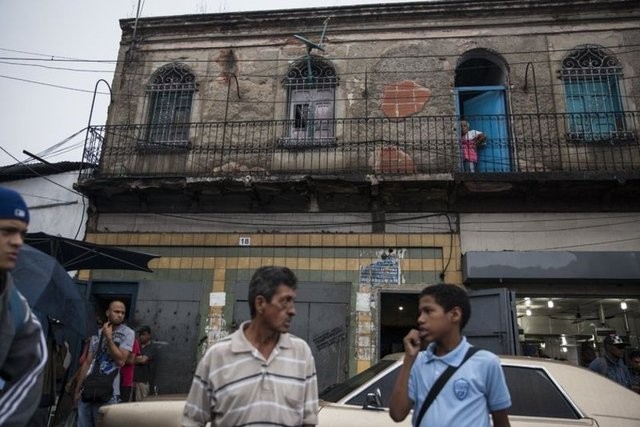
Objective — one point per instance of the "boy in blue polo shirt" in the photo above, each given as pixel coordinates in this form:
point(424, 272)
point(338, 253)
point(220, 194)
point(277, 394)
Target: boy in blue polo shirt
point(476, 389)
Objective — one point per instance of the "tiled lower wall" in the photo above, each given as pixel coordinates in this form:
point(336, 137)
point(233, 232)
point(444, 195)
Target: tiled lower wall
point(219, 260)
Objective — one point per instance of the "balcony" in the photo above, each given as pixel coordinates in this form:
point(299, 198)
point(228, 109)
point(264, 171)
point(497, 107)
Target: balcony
point(526, 143)
point(522, 151)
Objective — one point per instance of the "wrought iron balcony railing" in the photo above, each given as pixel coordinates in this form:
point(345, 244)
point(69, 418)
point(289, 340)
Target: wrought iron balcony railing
point(428, 145)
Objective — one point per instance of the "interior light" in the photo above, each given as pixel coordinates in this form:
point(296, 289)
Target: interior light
point(564, 349)
point(550, 303)
point(543, 345)
point(527, 302)
point(563, 340)
point(400, 308)
point(528, 312)
point(623, 305)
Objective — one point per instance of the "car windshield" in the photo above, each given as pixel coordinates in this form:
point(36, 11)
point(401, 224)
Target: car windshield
point(338, 391)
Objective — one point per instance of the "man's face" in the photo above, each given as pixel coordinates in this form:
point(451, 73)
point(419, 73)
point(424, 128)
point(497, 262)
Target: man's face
point(278, 313)
point(615, 350)
point(11, 239)
point(144, 337)
point(116, 312)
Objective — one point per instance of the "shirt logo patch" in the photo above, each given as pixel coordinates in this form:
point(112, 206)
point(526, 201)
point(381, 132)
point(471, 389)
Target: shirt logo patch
point(461, 388)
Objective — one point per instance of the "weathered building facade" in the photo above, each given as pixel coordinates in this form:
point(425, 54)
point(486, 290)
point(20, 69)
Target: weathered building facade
point(328, 140)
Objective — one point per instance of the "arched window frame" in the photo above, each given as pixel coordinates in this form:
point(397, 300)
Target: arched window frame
point(591, 80)
point(311, 86)
point(170, 98)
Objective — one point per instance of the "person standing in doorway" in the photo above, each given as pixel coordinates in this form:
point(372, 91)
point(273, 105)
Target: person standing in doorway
point(23, 349)
point(143, 375)
point(127, 373)
point(611, 363)
point(116, 344)
point(471, 140)
point(260, 374)
point(476, 389)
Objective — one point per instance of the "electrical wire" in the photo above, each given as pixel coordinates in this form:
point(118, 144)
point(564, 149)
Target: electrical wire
point(40, 175)
point(332, 58)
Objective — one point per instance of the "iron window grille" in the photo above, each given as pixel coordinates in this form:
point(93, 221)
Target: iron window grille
point(170, 96)
point(311, 84)
point(592, 93)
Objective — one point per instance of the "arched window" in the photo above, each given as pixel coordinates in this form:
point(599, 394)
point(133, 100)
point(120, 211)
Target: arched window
point(591, 83)
point(170, 95)
point(311, 84)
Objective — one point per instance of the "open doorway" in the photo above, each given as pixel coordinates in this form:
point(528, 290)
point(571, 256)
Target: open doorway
point(398, 315)
point(481, 82)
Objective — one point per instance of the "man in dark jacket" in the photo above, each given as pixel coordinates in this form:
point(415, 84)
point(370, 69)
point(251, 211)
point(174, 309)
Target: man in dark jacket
point(23, 351)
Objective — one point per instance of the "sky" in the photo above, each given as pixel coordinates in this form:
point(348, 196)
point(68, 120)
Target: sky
point(46, 92)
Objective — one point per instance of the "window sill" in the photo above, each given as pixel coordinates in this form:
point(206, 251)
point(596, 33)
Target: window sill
point(594, 137)
point(163, 146)
point(302, 143)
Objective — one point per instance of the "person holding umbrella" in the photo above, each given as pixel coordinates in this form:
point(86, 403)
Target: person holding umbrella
point(23, 350)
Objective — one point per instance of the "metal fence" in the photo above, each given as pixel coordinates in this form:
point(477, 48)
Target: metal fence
point(519, 143)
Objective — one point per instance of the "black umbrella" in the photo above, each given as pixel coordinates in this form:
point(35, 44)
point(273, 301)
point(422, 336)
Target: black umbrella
point(78, 255)
point(52, 294)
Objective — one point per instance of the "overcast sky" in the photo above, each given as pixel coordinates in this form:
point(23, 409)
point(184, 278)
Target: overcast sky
point(43, 103)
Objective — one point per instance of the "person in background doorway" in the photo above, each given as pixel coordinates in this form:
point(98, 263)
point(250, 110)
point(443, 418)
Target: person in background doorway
point(127, 373)
point(610, 364)
point(471, 140)
point(143, 375)
point(477, 389)
point(116, 345)
point(634, 370)
point(260, 374)
point(23, 349)
point(587, 353)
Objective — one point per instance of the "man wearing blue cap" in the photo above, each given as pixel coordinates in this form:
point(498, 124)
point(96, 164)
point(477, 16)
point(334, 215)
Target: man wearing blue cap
point(23, 351)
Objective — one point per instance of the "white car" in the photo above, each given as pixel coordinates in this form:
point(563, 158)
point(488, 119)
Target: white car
point(543, 392)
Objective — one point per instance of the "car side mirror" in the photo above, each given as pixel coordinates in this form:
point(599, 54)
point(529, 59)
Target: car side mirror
point(373, 401)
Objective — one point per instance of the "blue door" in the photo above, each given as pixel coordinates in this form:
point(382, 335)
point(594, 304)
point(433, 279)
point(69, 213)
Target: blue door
point(486, 112)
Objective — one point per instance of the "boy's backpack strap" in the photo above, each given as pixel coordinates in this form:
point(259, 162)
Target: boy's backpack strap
point(440, 383)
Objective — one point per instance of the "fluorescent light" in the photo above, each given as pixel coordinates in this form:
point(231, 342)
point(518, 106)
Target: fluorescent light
point(550, 303)
point(623, 305)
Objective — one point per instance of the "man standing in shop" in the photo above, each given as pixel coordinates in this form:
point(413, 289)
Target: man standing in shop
point(611, 364)
point(634, 361)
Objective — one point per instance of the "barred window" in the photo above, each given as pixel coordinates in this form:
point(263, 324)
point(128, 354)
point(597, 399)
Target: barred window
point(592, 91)
point(170, 95)
point(311, 82)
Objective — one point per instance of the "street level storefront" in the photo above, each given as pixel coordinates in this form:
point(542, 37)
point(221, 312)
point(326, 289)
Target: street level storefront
point(566, 302)
point(350, 287)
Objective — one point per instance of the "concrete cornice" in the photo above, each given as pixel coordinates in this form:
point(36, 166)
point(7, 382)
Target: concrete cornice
point(456, 10)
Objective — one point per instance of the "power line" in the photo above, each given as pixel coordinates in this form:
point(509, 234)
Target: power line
point(40, 175)
point(332, 58)
point(52, 85)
